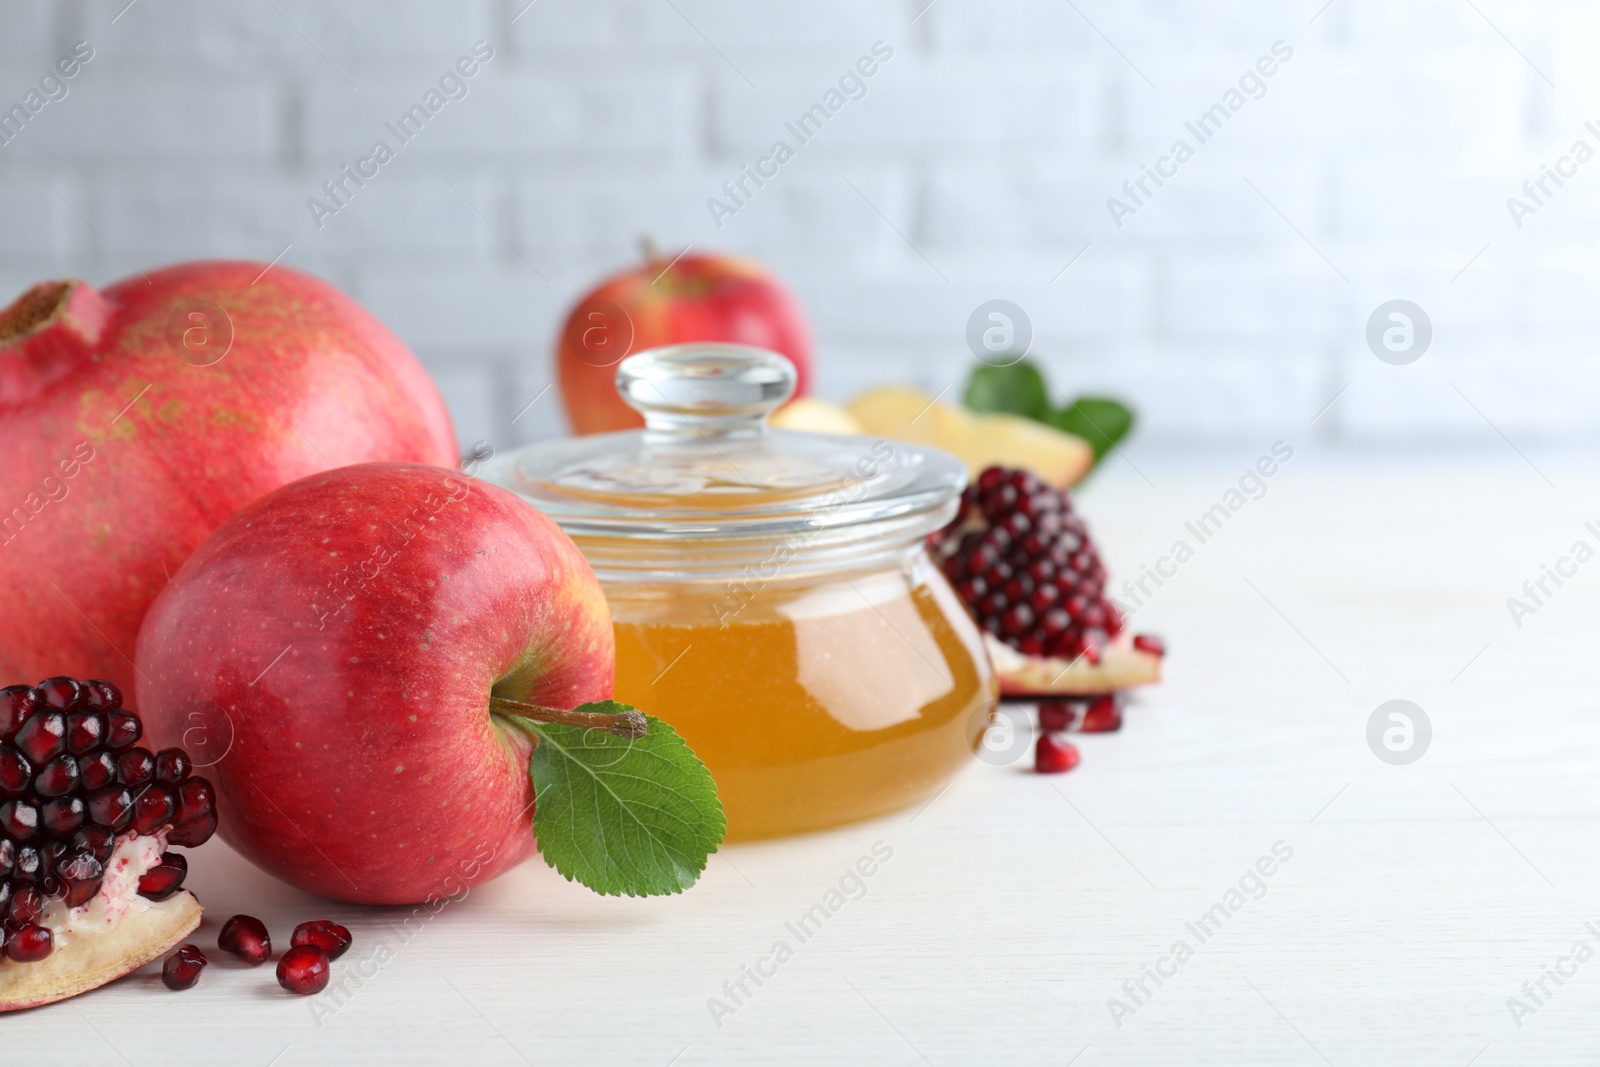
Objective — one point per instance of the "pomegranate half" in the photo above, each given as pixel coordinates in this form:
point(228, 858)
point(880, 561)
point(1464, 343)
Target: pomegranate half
point(134, 420)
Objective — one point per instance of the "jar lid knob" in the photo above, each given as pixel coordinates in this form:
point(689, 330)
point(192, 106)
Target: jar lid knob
point(704, 389)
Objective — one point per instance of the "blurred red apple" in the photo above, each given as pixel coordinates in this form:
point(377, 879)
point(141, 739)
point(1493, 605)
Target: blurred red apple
point(666, 302)
point(134, 420)
point(342, 638)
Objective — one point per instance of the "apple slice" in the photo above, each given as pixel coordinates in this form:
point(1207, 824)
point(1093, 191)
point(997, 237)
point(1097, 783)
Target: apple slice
point(979, 441)
point(1121, 666)
point(815, 415)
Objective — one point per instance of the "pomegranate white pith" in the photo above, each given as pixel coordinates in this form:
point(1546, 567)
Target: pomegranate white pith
point(115, 933)
point(1121, 666)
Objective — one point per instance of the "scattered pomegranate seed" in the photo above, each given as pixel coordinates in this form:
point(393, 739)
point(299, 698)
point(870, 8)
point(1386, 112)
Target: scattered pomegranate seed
point(246, 937)
point(1052, 756)
point(1151, 644)
point(304, 970)
point(330, 937)
point(1102, 716)
point(1055, 715)
point(183, 967)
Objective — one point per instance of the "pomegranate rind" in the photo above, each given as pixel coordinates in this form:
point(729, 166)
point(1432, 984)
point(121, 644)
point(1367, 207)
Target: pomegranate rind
point(1121, 666)
point(90, 962)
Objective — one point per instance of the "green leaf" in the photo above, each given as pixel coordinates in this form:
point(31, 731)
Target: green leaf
point(1099, 420)
point(636, 817)
point(1018, 389)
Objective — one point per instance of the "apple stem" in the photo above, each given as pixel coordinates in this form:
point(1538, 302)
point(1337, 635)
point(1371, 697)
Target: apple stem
point(652, 253)
point(629, 724)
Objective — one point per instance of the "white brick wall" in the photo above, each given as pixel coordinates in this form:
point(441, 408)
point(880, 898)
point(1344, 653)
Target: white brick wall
point(990, 141)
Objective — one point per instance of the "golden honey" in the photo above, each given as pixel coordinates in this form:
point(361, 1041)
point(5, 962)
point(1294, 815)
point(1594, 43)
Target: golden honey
point(813, 704)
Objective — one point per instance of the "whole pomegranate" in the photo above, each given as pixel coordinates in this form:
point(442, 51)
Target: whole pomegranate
point(136, 419)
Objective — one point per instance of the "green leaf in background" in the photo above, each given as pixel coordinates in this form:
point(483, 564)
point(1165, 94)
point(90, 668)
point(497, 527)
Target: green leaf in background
point(1099, 420)
point(638, 817)
point(1018, 389)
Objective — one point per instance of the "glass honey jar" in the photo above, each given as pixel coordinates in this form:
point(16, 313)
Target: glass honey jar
point(771, 593)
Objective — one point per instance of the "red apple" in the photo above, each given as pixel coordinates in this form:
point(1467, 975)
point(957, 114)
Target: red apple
point(343, 636)
point(134, 420)
point(697, 297)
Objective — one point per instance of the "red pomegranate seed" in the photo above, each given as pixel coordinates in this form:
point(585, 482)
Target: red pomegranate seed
point(97, 770)
point(196, 817)
point(17, 702)
point(101, 696)
point(304, 970)
point(1017, 620)
point(165, 878)
point(27, 904)
point(62, 816)
point(15, 772)
point(192, 832)
point(97, 841)
point(43, 737)
point(80, 875)
point(122, 729)
point(1151, 644)
point(183, 967)
point(154, 809)
point(30, 944)
point(63, 694)
point(112, 808)
point(19, 820)
point(330, 937)
point(246, 937)
point(1055, 715)
point(56, 778)
point(172, 765)
point(85, 729)
point(136, 767)
point(1051, 756)
point(1102, 716)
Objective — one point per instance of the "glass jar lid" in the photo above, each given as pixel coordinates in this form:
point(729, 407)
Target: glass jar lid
point(707, 468)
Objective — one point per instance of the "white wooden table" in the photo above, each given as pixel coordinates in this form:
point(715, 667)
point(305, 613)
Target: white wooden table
point(1418, 899)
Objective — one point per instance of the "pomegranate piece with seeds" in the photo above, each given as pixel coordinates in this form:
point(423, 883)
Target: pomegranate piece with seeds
point(329, 937)
point(245, 936)
point(88, 890)
point(304, 970)
point(1022, 562)
point(183, 967)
